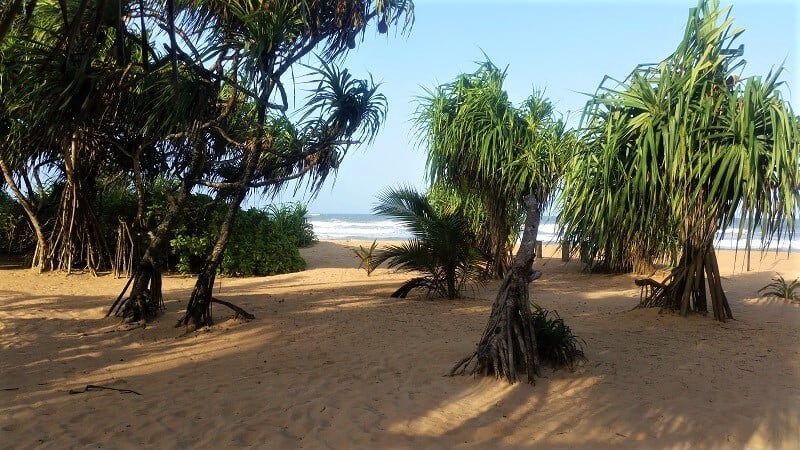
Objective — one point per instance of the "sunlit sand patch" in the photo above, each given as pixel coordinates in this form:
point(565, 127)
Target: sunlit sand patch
point(475, 401)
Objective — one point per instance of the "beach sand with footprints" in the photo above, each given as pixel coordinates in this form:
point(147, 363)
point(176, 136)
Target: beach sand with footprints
point(332, 362)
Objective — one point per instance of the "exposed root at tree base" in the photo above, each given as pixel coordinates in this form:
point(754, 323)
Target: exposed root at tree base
point(238, 311)
point(684, 289)
point(145, 302)
point(508, 345)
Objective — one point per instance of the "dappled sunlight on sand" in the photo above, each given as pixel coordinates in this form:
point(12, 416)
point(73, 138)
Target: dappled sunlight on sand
point(332, 362)
point(457, 410)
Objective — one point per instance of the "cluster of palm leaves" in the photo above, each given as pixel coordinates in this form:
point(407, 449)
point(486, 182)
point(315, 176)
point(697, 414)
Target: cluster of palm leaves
point(442, 248)
point(485, 154)
point(781, 288)
point(674, 152)
point(556, 344)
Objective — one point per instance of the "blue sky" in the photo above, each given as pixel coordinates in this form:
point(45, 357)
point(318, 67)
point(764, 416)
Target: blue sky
point(564, 48)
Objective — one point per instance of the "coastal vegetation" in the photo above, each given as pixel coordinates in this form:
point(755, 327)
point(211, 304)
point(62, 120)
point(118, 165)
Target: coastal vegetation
point(443, 249)
point(503, 160)
point(132, 134)
point(781, 288)
point(673, 154)
point(188, 94)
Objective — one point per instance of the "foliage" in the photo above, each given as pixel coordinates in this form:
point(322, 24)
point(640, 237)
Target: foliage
point(188, 251)
point(555, 342)
point(365, 255)
point(779, 287)
point(675, 153)
point(114, 202)
point(676, 150)
point(490, 153)
point(292, 220)
point(15, 235)
point(260, 247)
point(264, 241)
point(442, 248)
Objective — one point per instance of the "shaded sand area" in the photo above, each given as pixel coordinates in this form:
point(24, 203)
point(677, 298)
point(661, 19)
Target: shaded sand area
point(332, 362)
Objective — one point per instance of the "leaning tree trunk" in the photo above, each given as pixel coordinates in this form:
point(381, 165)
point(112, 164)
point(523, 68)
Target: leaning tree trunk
point(684, 289)
point(198, 310)
point(146, 300)
point(40, 260)
point(508, 345)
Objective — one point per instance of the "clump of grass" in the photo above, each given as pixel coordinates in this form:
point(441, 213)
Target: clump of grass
point(779, 287)
point(555, 342)
point(365, 255)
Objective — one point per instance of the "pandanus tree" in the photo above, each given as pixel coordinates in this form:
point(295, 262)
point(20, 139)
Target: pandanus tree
point(511, 155)
point(471, 123)
point(268, 39)
point(60, 69)
point(244, 140)
point(676, 152)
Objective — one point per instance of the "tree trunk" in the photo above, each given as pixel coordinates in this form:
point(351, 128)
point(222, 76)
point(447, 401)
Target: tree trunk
point(198, 310)
point(76, 237)
point(146, 298)
point(508, 345)
point(40, 260)
point(684, 289)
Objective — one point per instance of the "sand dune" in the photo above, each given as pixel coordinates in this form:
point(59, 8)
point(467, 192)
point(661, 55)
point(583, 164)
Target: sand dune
point(332, 362)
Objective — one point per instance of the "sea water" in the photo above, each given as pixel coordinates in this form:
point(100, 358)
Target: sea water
point(368, 227)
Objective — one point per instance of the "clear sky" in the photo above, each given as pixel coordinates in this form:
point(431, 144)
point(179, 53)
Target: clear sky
point(564, 48)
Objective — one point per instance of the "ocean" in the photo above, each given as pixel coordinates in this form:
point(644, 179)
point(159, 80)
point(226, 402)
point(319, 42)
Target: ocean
point(369, 226)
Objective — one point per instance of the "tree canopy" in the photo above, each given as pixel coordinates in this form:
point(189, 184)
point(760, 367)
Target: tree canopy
point(676, 152)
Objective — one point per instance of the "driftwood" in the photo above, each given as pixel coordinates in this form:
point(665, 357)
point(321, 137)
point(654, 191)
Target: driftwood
point(94, 387)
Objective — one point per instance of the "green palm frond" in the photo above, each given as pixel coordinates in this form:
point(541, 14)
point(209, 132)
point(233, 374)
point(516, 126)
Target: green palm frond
point(442, 247)
point(687, 146)
point(781, 288)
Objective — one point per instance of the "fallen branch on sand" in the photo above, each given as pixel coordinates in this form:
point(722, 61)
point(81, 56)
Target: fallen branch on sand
point(94, 387)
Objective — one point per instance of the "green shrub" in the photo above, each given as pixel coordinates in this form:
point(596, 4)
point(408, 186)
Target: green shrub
point(779, 287)
point(366, 256)
point(263, 241)
point(555, 342)
point(292, 221)
point(259, 246)
point(189, 252)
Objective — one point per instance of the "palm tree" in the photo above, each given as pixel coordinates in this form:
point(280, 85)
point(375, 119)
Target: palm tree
point(687, 146)
point(58, 82)
point(265, 40)
point(512, 158)
point(442, 247)
point(470, 123)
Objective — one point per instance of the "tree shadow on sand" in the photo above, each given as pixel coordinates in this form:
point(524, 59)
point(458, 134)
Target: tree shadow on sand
point(348, 367)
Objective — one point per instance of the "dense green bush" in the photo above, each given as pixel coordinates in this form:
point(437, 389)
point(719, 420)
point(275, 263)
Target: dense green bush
point(263, 242)
point(555, 342)
point(291, 219)
point(259, 246)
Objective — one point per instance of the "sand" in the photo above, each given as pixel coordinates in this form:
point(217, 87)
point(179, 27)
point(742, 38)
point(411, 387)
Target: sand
point(332, 362)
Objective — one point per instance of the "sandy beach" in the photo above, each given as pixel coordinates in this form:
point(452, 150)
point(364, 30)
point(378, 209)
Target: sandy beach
point(332, 362)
